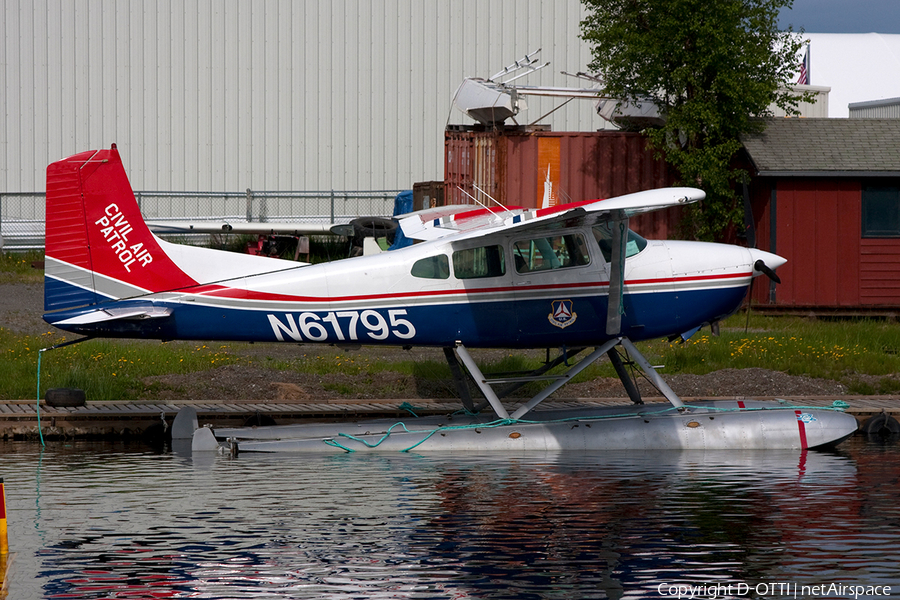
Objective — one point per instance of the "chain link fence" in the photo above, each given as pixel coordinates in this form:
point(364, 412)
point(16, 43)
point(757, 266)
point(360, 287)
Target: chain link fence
point(22, 215)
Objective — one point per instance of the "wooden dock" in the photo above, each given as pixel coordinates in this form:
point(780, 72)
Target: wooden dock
point(19, 419)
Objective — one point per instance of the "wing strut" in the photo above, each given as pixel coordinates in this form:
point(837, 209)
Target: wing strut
point(619, 225)
point(557, 381)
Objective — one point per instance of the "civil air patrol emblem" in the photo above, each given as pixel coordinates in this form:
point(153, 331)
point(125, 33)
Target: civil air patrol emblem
point(561, 313)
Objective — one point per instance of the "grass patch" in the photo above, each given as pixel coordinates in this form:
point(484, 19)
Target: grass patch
point(864, 355)
point(104, 369)
point(840, 350)
point(15, 267)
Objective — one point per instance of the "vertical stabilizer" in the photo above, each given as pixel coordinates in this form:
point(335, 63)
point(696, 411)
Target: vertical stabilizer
point(97, 244)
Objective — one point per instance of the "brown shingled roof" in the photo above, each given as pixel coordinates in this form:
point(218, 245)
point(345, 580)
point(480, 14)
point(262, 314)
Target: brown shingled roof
point(835, 147)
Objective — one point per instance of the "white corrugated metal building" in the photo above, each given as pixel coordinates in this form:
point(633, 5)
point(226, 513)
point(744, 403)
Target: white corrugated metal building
point(858, 67)
point(224, 95)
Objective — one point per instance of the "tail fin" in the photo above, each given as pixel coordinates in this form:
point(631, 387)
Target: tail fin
point(97, 244)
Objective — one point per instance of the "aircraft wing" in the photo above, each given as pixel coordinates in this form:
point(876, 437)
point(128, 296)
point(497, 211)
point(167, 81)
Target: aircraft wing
point(423, 226)
point(244, 227)
point(283, 227)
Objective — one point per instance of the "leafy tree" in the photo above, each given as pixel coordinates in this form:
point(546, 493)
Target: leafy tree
point(711, 68)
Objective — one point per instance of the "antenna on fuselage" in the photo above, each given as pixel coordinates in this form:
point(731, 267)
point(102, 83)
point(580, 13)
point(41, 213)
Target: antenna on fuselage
point(479, 202)
point(497, 202)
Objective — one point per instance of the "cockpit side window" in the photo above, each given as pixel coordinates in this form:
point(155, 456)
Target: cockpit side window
point(474, 263)
point(550, 252)
point(433, 267)
point(603, 235)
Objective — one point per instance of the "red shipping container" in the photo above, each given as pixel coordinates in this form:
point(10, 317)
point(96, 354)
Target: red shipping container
point(514, 165)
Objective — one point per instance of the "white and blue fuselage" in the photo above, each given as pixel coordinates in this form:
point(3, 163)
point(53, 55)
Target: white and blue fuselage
point(422, 295)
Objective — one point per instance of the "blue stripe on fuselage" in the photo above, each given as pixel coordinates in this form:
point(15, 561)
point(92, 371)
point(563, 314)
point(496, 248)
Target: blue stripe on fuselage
point(513, 323)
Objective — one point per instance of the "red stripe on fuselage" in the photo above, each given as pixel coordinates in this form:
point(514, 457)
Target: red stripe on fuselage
point(219, 291)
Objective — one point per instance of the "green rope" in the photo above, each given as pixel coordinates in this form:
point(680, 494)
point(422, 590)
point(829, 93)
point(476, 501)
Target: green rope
point(422, 441)
point(409, 408)
point(838, 406)
point(40, 353)
point(333, 443)
point(465, 411)
point(428, 433)
point(38, 402)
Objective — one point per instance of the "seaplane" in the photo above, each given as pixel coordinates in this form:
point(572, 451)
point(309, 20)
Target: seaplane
point(572, 277)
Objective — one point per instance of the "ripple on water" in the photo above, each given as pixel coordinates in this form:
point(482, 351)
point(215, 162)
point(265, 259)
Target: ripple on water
point(117, 521)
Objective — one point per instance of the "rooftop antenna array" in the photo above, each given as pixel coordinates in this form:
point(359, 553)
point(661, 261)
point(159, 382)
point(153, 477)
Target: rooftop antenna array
point(527, 63)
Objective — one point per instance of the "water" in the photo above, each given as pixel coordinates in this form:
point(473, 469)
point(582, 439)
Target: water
point(110, 520)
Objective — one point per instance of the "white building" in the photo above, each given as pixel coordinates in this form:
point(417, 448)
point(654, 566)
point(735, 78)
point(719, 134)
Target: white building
point(224, 95)
point(858, 67)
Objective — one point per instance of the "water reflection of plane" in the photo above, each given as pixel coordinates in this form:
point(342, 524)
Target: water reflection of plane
point(532, 524)
point(623, 523)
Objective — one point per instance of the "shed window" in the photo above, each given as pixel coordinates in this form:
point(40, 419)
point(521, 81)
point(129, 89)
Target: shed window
point(881, 210)
point(474, 263)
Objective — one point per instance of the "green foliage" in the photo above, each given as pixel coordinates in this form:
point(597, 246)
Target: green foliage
point(711, 69)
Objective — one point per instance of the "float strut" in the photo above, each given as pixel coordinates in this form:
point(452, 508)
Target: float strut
point(651, 373)
point(481, 381)
point(459, 380)
point(624, 376)
point(575, 370)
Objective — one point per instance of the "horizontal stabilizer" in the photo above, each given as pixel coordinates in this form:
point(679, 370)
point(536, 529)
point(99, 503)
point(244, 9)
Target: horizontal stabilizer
point(117, 314)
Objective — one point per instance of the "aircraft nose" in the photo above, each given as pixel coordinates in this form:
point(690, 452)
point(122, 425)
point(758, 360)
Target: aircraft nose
point(765, 263)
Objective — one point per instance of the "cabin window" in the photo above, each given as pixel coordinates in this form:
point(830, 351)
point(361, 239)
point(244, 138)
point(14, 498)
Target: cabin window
point(473, 263)
point(550, 252)
point(881, 210)
point(603, 235)
point(433, 267)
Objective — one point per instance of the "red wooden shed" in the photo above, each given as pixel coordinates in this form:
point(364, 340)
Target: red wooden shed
point(826, 196)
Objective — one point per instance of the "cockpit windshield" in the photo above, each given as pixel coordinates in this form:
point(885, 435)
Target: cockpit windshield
point(603, 235)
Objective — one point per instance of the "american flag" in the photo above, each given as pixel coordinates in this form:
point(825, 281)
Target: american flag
point(804, 69)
